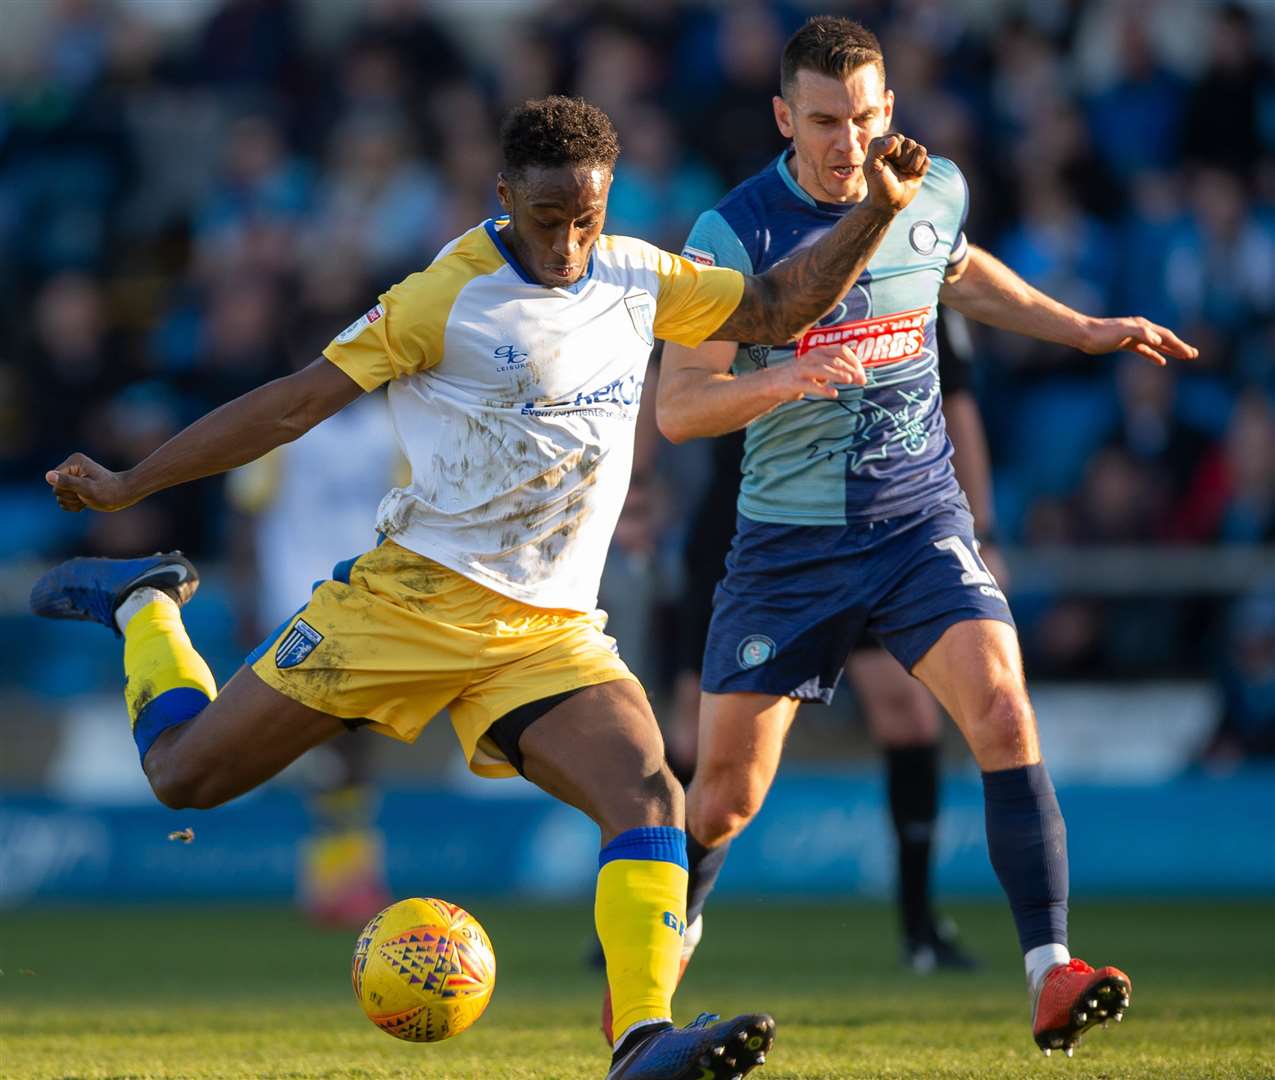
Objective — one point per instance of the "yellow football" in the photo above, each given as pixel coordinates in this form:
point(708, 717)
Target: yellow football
point(423, 970)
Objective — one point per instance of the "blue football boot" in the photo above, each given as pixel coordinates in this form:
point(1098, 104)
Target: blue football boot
point(703, 1050)
point(91, 589)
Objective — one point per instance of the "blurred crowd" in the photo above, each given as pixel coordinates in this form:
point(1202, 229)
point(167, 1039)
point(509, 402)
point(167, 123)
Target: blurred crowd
point(196, 196)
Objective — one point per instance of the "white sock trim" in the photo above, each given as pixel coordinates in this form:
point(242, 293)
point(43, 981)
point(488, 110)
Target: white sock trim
point(138, 599)
point(1040, 959)
point(641, 1024)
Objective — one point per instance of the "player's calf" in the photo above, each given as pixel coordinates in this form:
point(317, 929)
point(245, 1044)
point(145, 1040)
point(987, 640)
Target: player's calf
point(241, 738)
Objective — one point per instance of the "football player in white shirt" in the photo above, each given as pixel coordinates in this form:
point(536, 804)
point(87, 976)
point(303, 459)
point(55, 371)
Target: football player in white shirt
point(515, 363)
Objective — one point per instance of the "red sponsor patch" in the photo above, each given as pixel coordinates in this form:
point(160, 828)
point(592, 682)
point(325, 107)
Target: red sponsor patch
point(887, 339)
point(375, 313)
point(697, 255)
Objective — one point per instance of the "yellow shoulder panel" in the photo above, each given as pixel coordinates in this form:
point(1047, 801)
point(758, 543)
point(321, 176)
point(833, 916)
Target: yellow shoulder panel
point(403, 333)
point(693, 300)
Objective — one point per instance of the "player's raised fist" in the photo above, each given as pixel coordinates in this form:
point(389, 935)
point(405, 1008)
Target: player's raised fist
point(80, 483)
point(893, 170)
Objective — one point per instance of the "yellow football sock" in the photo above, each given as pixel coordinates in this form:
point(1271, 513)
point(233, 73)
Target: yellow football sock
point(165, 681)
point(640, 912)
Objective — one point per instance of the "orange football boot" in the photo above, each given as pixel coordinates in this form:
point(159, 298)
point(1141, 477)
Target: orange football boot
point(1072, 998)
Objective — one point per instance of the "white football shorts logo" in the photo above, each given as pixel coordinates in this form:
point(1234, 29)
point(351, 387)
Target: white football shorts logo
point(754, 650)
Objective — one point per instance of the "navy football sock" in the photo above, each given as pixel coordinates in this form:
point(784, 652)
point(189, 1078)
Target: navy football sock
point(1027, 842)
point(912, 777)
point(703, 864)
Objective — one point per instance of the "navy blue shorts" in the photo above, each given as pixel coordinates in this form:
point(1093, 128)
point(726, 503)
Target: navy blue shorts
point(797, 598)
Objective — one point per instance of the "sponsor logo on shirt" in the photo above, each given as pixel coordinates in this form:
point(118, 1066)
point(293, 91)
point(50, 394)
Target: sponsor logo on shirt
point(614, 397)
point(511, 358)
point(697, 255)
point(887, 339)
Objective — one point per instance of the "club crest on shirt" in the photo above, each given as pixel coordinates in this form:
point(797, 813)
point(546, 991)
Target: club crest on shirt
point(297, 644)
point(923, 238)
point(642, 315)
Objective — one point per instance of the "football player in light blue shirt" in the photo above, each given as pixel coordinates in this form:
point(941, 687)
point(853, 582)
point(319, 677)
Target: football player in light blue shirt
point(851, 521)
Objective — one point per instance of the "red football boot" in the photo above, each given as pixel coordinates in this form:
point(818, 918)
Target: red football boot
point(1072, 998)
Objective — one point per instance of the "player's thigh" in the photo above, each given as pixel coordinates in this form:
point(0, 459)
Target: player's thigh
point(741, 740)
point(600, 750)
point(975, 669)
point(899, 710)
point(244, 736)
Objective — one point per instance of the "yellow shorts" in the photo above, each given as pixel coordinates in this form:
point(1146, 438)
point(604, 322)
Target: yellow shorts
point(397, 638)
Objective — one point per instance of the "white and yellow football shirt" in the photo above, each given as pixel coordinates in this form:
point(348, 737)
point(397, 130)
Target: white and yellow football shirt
point(515, 402)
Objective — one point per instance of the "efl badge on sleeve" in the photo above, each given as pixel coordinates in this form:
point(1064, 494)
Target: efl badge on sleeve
point(642, 315)
point(297, 644)
point(699, 255)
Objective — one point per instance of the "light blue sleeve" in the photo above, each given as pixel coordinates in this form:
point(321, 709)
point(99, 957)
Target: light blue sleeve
point(713, 242)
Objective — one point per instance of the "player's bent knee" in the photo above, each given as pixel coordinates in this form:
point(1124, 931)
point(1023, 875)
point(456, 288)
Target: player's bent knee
point(653, 800)
point(1006, 726)
point(722, 810)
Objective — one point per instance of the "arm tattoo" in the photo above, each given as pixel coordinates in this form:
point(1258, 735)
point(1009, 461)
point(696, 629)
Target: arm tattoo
point(793, 295)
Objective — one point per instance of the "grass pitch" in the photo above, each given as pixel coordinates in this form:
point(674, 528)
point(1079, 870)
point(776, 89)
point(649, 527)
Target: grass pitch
point(242, 992)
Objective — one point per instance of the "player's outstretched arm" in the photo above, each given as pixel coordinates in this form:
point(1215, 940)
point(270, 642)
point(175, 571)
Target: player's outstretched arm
point(793, 295)
point(699, 397)
point(232, 435)
point(988, 291)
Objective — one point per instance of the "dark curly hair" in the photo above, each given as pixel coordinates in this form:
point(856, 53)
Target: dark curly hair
point(557, 131)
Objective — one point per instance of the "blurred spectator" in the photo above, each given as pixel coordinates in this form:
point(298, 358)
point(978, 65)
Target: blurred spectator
point(1152, 435)
point(1136, 121)
point(252, 215)
point(724, 123)
point(1247, 724)
point(74, 363)
point(377, 199)
point(1220, 267)
point(1224, 125)
point(242, 342)
point(249, 45)
point(659, 188)
point(1232, 500)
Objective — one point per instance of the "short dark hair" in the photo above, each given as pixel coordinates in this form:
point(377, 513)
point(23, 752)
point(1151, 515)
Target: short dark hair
point(831, 45)
point(556, 131)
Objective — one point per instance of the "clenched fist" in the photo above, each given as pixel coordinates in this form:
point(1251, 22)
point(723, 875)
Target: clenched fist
point(81, 483)
point(893, 170)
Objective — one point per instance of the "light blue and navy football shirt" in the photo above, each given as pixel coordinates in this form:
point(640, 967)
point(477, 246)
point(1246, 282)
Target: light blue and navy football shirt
point(874, 452)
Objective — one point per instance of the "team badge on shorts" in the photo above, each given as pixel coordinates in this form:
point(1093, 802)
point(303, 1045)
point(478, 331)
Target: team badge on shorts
point(642, 315)
point(754, 650)
point(297, 644)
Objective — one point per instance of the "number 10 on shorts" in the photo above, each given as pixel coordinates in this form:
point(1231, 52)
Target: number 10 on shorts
point(975, 573)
